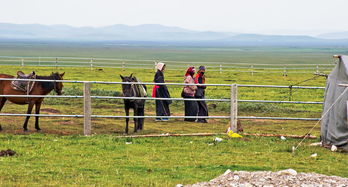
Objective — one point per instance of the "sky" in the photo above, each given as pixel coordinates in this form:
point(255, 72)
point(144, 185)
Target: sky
point(309, 17)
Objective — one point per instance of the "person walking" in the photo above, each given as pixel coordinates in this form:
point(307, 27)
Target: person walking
point(200, 94)
point(191, 107)
point(161, 91)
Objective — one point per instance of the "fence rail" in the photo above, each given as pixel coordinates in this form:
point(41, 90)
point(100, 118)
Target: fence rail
point(232, 100)
point(221, 67)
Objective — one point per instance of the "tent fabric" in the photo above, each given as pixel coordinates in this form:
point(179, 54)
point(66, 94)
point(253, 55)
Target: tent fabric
point(334, 127)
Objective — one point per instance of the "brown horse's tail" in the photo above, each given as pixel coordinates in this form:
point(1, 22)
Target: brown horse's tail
point(2, 82)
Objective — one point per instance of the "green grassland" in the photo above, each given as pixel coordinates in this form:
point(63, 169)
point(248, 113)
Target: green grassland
point(104, 160)
point(60, 155)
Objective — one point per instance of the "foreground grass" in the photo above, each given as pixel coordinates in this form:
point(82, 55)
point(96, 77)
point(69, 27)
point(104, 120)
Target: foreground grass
point(106, 160)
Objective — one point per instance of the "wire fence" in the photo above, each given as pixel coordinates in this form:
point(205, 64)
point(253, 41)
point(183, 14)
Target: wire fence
point(87, 115)
point(221, 67)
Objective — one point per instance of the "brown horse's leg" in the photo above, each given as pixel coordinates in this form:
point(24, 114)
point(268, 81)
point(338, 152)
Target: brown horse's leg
point(37, 111)
point(30, 108)
point(2, 103)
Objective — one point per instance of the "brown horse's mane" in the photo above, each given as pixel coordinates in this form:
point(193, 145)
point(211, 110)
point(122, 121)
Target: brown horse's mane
point(47, 86)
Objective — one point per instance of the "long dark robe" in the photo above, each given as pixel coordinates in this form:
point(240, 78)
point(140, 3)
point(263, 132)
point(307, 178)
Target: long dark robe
point(162, 106)
point(202, 106)
point(191, 109)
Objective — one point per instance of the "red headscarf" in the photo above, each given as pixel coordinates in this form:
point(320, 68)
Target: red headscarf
point(198, 75)
point(190, 71)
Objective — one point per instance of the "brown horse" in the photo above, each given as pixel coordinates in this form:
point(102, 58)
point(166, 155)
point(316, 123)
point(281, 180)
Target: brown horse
point(39, 88)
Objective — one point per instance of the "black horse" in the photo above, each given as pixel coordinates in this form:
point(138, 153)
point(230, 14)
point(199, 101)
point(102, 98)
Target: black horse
point(134, 90)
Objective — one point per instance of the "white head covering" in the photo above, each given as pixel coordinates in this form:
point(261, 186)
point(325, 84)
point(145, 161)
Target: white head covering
point(160, 66)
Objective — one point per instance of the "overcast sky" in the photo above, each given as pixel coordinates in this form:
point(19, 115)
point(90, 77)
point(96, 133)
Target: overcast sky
point(252, 16)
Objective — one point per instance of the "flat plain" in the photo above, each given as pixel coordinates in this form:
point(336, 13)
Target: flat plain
point(60, 154)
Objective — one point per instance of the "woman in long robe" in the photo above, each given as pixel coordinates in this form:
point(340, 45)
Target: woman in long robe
point(161, 91)
point(191, 107)
point(200, 94)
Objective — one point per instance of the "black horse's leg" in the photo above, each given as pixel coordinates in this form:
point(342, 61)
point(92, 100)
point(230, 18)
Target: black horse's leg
point(127, 119)
point(136, 119)
point(30, 108)
point(141, 120)
point(2, 103)
point(37, 111)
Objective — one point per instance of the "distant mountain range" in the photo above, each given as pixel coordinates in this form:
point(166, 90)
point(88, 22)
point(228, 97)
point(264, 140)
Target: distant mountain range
point(158, 33)
point(335, 35)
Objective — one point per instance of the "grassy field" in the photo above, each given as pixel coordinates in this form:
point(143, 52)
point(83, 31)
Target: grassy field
point(60, 155)
point(115, 107)
point(104, 160)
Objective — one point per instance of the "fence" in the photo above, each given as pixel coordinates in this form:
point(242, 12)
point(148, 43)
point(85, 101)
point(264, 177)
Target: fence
point(233, 102)
point(221, 67)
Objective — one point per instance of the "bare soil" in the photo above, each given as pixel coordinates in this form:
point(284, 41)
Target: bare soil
point(272, 179)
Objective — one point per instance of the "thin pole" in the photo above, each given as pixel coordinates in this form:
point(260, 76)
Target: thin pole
point(234, 109)
point(87, 109)
point(155, 66)
point(252, 70)
point(285, 73)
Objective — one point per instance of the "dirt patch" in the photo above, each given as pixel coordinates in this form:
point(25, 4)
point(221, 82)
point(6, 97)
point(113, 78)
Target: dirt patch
point(66, 122)
point(287, 177)
point(50, 110)
point(7, 152)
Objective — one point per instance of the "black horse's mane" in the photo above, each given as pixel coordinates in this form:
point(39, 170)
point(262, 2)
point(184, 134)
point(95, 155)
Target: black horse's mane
point(48, 85)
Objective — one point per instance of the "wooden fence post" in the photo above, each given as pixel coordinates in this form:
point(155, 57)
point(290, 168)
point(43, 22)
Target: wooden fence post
point(87, 108)
point(22, 62)
point(234, 108)
point(123, 66)
point(56, 63)
point(220, 68)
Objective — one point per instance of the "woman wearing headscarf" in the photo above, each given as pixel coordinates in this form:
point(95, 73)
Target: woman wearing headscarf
point(161, 91)
point(200, 94)
point(191, 107)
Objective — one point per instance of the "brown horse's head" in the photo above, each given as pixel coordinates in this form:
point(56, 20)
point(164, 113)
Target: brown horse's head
point(58, 86)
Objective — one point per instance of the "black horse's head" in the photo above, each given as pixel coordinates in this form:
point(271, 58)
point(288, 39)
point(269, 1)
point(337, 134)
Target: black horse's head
point(127, 89)
point(58, 86)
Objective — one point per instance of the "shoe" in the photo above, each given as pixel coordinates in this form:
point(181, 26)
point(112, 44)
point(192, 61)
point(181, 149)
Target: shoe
point(158, 119)
point(202, 121)
point(165, 119)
